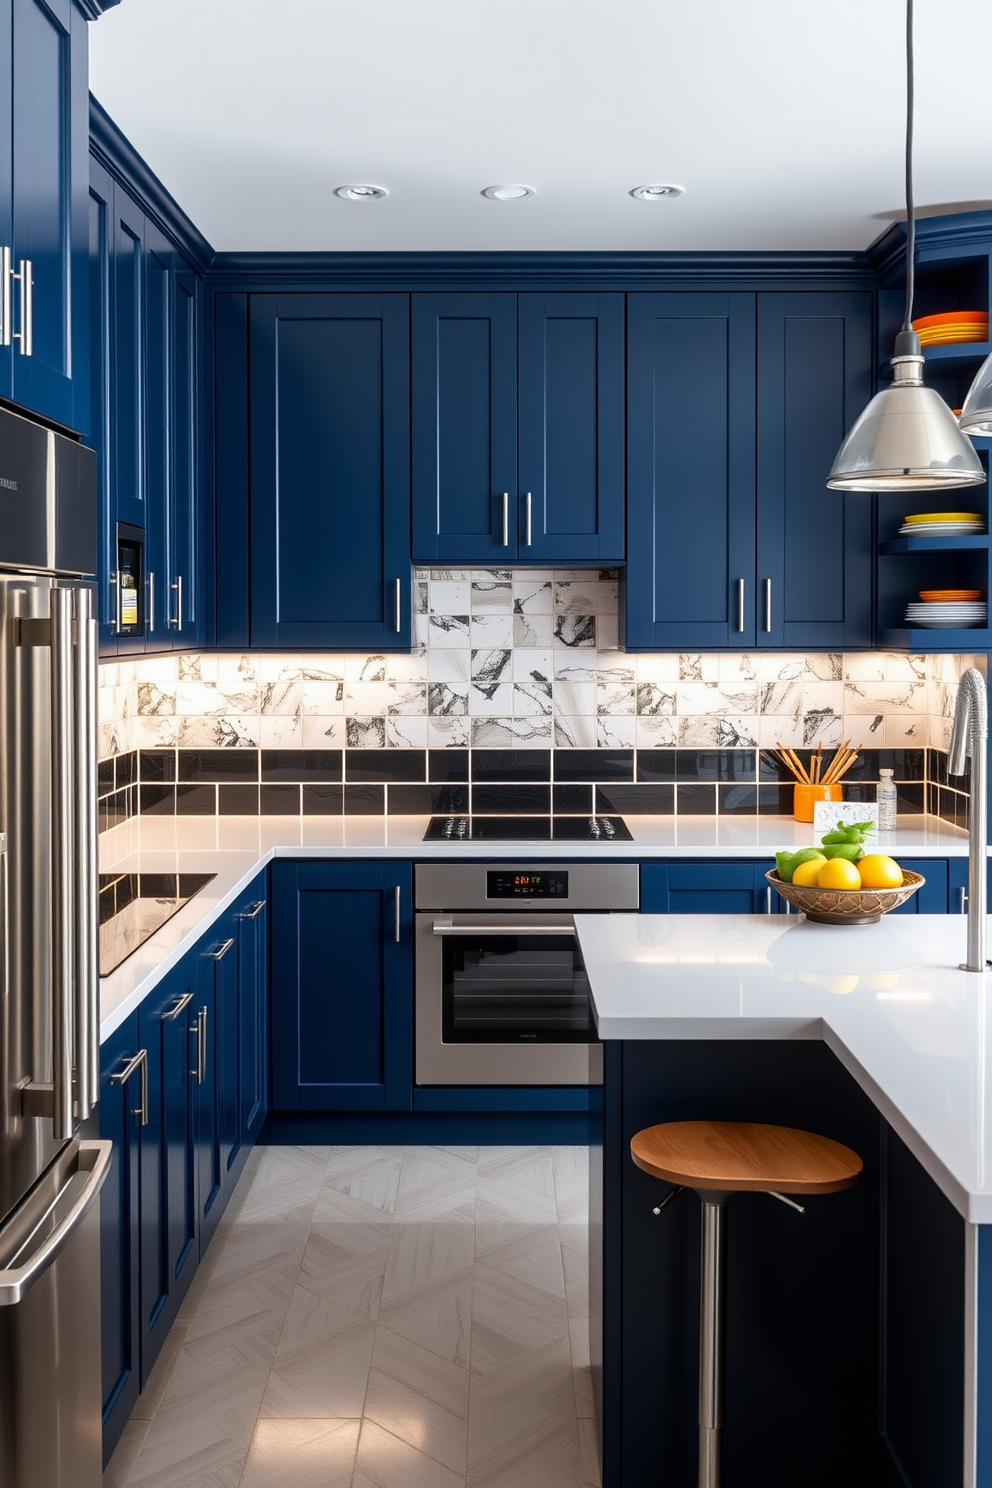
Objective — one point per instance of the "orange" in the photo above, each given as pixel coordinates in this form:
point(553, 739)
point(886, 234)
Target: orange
point(879, 872)
point(807, 874)
point(838, 873)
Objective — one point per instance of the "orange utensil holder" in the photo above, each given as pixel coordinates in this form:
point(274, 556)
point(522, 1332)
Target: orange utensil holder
point(806, 797)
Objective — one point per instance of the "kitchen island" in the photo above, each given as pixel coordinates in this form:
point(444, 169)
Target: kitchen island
point(860, 1334)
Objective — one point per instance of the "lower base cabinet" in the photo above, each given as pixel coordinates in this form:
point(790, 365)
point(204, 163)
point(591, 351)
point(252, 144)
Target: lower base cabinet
point(183, 1093)
point(343, 966)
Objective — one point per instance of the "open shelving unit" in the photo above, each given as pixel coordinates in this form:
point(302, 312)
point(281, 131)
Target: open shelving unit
point(953, 272)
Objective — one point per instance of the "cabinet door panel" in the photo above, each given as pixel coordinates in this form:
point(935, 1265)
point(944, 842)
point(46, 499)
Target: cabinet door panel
point(814, 545)
point(690, 451)
point(732, 886)
point(253, 967)
point(101, 229)
point(464, 426)
point(343, 1038)
point(185, 566)
point(168, 1172)
point(330, 470)
point(128, 361)
point(119, 1218)
point(571, 426)
point(50, 135)
point(156, 419)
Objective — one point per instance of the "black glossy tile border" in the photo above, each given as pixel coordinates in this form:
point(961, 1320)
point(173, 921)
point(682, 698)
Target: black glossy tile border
point(732, 782)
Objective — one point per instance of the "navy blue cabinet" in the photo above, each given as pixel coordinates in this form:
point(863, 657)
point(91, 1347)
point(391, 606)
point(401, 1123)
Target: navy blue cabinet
point(183, 1096)
point(343, 987)
point(330, 471)
point(814, 546)
point(729, 886)
point(168, 1173)
point(736, 406)
point(518, 428)
point(43, 218)
point(145, 316)
point(120, 1217)
point(691, 470)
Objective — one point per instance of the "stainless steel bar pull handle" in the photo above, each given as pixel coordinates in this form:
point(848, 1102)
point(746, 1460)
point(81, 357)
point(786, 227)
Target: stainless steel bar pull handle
point(115, 623)
point(6, 274)
point(179, 1006)
point(397, 614)
point(506, 519)
point(26, 334)
point(397, 914)
point(528, 520)
point(253, 912)
point(177, 620)
point(768, 604)
point(87, 992)
point(740, 604)
point(200, 1029)
point(962, 900)
point(219, 952)
point(138, 1061)
point(498, 928)
point(151, 604)
point(63, 866)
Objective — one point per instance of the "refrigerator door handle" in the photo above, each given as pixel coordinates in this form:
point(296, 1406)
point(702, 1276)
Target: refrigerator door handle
point(63, 864)
point(87, 990)
point(30, 1260)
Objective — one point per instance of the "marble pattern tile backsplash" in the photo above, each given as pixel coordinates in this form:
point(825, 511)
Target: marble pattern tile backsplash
point(511, 658)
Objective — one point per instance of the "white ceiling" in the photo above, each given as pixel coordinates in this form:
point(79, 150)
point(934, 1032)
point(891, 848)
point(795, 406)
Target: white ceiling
point(781, 118)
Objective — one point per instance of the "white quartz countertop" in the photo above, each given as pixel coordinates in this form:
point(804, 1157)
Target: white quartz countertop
point(235, 848)
point(888, 999)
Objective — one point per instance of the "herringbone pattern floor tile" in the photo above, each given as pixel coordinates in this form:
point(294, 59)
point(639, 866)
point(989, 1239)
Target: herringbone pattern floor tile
point(381, 1317)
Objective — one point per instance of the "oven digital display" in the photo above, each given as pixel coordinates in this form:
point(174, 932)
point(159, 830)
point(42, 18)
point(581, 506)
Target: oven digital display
point(522, 885)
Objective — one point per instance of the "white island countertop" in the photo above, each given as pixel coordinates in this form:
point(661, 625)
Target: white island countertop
point(888, 999)
point(235, 848)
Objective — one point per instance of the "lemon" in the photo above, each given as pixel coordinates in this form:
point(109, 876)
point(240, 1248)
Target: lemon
point(807, 874)
point(879, 872)
point(838, 873)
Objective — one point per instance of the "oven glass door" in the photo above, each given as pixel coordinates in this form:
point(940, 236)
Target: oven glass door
point(514, 985)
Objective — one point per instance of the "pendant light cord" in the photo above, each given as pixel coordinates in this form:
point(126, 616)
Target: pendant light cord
point(907, 323)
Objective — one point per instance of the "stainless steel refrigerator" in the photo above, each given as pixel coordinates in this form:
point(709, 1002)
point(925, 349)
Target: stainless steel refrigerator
point(50, 1174)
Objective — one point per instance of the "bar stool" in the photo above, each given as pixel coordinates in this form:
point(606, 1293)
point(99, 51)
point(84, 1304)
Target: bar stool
point(719, 1159)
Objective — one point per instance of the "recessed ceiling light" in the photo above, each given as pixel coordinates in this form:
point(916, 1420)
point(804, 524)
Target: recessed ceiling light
point(508, 193)
point(360, 193)
point(657, 193)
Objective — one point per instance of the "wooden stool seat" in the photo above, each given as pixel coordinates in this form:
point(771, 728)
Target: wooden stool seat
point(744, 1156)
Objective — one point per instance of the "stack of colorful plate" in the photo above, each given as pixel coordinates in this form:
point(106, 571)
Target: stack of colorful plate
point(952, 327)
point(948, 609)
point(942, 524)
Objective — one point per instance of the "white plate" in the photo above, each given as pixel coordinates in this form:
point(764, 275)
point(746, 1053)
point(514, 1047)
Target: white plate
point(951, 530)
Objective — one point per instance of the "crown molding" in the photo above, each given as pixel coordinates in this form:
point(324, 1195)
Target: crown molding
point(93, 9)
point(116, 154)
point(951, 232)
point(262, 272)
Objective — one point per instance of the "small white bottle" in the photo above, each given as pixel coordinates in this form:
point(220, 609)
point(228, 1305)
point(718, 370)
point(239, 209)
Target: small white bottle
point(885, 795)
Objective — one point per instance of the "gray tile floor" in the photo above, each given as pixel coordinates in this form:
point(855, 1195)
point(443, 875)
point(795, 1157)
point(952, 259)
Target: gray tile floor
point(381, 1317)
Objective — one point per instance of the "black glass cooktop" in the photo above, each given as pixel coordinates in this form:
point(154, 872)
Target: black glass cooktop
point(527, 829)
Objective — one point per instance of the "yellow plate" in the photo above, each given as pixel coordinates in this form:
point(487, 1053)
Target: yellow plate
point(944, 517)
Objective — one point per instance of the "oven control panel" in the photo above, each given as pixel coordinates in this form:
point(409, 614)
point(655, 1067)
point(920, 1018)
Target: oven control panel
point(526, 884)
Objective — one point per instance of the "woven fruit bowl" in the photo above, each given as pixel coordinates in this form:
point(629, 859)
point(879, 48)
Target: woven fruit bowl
point(846, 906)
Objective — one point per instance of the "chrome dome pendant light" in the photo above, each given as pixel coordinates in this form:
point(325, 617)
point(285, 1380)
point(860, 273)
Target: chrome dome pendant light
point(907, 439)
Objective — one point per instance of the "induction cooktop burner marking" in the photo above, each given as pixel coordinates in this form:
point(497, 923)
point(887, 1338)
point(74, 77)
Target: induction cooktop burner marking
point(527, 829)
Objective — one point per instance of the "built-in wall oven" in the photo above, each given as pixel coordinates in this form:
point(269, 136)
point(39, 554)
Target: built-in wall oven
point(501, 993)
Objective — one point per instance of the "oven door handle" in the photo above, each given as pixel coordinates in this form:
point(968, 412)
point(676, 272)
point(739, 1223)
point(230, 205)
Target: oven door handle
point(445, 929)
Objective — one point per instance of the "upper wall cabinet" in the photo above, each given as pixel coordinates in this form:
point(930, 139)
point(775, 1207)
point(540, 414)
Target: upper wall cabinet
point(145, 305)
point(43, 228)
point(518, 438)
point(329, 470)
point(736, 405)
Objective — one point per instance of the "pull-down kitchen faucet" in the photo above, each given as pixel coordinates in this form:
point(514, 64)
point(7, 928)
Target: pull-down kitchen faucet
point(969, 736)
